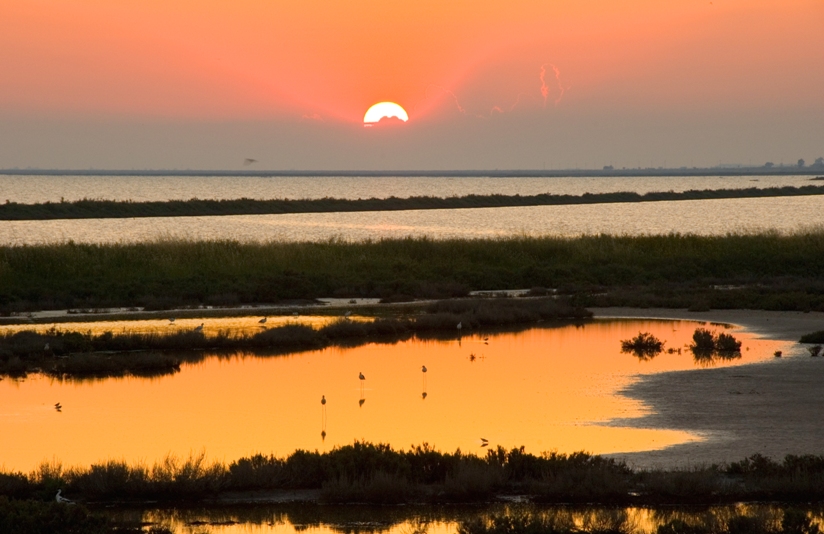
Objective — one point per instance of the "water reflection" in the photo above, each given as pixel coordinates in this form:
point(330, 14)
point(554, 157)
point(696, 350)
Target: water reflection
point(289, 519)
point(544, 388)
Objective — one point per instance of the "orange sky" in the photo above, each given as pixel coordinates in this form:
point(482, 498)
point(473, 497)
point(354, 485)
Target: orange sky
point(316, 60)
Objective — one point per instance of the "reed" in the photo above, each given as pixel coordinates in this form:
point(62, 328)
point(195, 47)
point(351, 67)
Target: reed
point(767, 270)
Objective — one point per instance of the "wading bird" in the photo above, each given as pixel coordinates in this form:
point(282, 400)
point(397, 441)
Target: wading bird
point(360, 375)
point(62, 500)
point(58, 407)
point(171, 320)
point(263, 321)
point(460, 325)
point(200, 328)
point(323, 400)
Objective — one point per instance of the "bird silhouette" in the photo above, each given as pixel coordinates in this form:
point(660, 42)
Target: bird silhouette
point(58, 407)
point(360, 375)
point(263, 321)
point(171, 320)
point(62, 500)
point(423, 368)
point(323, 400)
point(199, 328)
point(248, 161)
point(360, 402)
point(423, 395)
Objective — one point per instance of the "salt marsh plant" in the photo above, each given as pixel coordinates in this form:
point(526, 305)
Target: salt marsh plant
point(645, 346)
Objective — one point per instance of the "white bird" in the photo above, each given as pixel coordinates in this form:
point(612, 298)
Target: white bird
point(263, 321)
point(460, 325)
point(62, 500)
point(200, 328)
point(347, 314)
point(323, 399)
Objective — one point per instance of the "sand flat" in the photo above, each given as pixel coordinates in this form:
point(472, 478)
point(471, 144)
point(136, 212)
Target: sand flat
point(774, 408)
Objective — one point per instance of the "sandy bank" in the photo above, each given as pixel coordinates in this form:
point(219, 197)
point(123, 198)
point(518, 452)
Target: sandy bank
point(774, 408)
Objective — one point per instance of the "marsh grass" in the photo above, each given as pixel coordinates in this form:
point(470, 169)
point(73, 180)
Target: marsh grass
point(78, 354)
point(97, 208)
point(767, 270)
point(377, 473)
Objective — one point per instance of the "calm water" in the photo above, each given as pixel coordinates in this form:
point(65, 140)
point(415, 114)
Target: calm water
point(31, 189)
point(544, 388)
point(439, 520)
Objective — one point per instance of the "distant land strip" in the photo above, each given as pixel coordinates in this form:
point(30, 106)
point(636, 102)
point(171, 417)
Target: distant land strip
point(111, 209)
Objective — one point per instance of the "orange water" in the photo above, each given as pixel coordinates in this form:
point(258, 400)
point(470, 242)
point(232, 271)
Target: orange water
point(544, 388)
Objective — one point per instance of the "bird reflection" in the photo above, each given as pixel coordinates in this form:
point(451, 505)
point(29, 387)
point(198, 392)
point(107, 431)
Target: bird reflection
point(360, 402)
point(323, 416)
point(323, 435)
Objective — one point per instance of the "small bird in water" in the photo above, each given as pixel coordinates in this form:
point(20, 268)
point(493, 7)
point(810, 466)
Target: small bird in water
point(58, 407)
point(360, 402)
point(360, 375)
point(323, 400)
point(46, 347)
point(171, 320)
point(423, 368)
point(263, 321)
point(200, 328)
point(62, 500)
point(347, 314)
point(460, 325)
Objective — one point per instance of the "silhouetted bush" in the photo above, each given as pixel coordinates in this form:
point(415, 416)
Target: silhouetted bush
point(644, 345)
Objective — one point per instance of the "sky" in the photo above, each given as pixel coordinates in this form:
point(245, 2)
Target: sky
point(487, 84)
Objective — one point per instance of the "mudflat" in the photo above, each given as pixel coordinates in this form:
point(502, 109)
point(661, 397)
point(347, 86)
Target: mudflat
point(773, 408)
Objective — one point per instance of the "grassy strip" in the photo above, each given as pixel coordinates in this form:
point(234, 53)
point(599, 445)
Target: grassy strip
point(77, 354)
point(758, 271)
point(100, 209)
point(377, 473)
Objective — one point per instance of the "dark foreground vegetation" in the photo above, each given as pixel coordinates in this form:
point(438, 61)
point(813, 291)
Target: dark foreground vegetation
point(769, 271)
point(100, 209)
point(78, 354)
point(376, 473)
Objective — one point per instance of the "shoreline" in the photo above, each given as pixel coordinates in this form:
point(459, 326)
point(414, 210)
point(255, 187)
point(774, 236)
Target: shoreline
point(772, 408)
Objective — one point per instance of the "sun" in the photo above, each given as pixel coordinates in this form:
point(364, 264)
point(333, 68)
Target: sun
point(384, 110)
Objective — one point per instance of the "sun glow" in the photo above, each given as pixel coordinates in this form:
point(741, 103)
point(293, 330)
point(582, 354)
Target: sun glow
point(384, 110)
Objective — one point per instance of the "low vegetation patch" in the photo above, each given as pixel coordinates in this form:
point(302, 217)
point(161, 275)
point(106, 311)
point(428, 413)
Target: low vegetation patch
point(378, 473)
point(814, 337)
point(77, 354)
point(645, 346)
point(769, 270)
point(707, 345)
point(97, 208)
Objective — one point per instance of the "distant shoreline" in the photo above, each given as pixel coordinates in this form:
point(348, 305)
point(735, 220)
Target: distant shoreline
point(468, 173)
point(118, 209)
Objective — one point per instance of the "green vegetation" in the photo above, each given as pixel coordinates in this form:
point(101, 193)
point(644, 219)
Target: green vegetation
point(645, 346)
point(99, 209)
point(757, 271)
point(77, 354)
point(377, 473)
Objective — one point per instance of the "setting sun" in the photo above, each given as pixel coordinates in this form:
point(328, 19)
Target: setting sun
point(383, 110)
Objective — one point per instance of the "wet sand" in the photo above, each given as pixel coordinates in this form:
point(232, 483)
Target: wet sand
point(774, 408)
